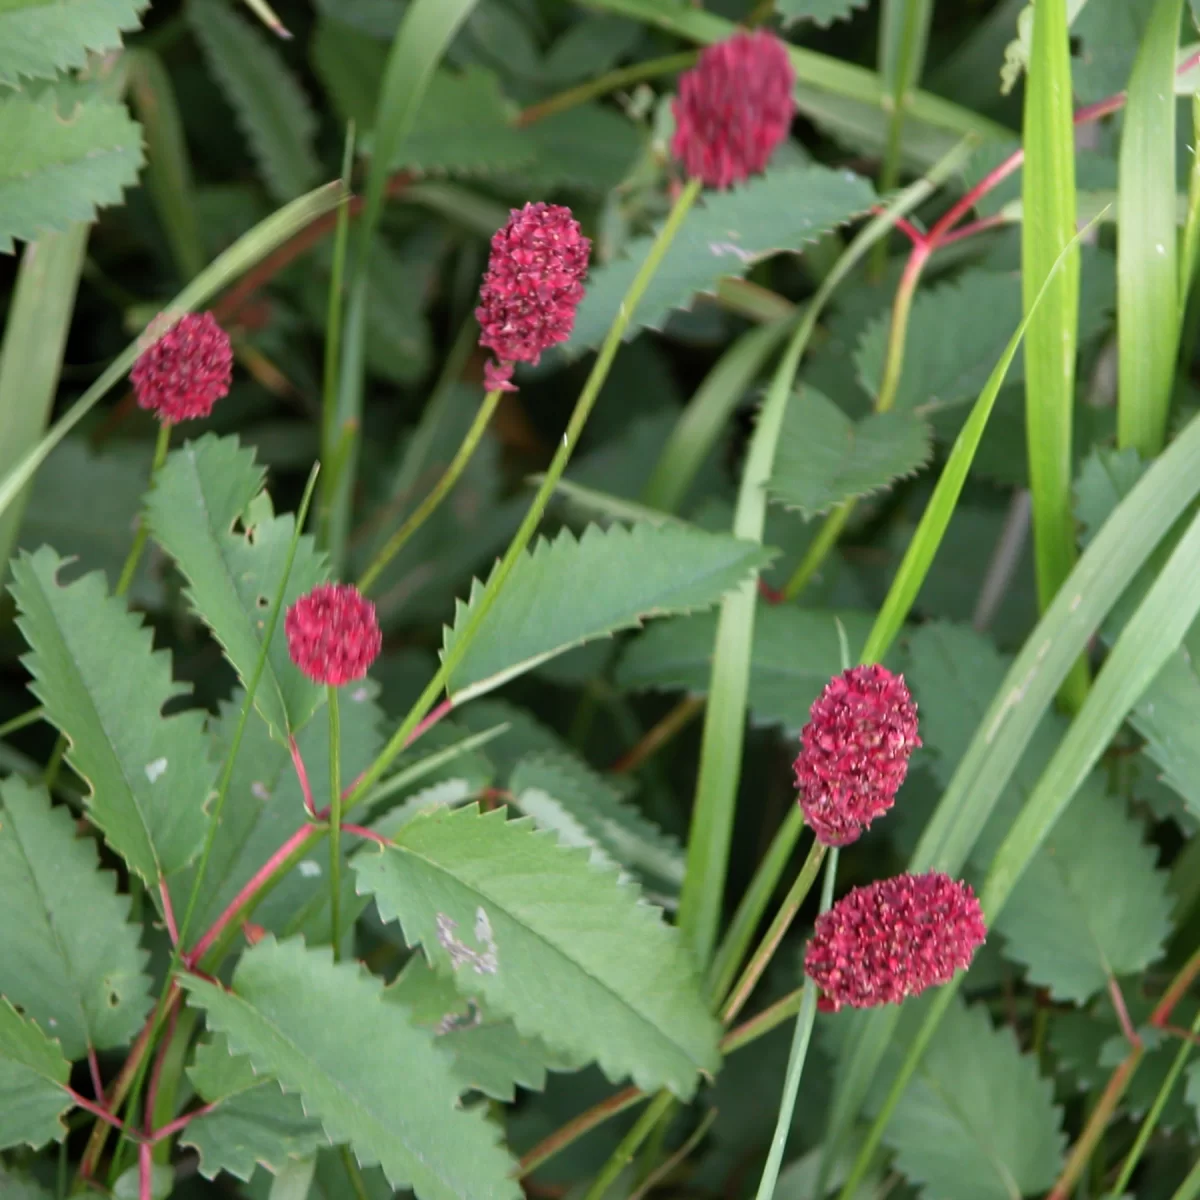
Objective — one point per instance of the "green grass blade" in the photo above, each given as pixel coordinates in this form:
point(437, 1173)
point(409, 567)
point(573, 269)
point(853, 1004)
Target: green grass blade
point(704, 419)
point(1147, 257)
point(421, 40)
point(1103, 572)
point(249, 249)
point(1048, 235)
point(35, 334)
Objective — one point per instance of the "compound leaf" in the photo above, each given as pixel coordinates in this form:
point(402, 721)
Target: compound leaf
point(269, 103)
point(566, 592)
point(562, 946)
point(104, 686)
point(824, 457)
point(727, 235)
point(324, 1030)
point(33, 1078)
point(68, 954)
point(39, 39)
point(209, 512)
point(59, 168)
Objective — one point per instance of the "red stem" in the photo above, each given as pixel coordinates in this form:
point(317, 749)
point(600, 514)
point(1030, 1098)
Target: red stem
point(1179, 986)
point(161, 1135)
point(145, 1172)
point(363, 832)
point(98, 1110)
point(302, 775)
point(168, 911)
point(94, 1069)
point(159, 1063)
point(1131, 1034)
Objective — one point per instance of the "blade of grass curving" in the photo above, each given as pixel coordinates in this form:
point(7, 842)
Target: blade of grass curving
point(701, 423)
point(701, 898)
point(1103, 572)
point(1048, 235)
point(35, 335)
point(818, 70)
point(424, 33)
point(249, 249)
point(168, 167)
point(1147, 255)
point(1147, 641)
point(1189, 256)
point(925, 541)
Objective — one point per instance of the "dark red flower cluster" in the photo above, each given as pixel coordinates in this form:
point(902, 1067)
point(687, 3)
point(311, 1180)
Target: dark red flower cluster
point(332, 633)
point(854, 754)
point(733, 108)
point(892, 939)
point(533, 286)
point(185, 370)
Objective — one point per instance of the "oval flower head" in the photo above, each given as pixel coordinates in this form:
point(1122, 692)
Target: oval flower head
point(332, 633)
point(533, 286)
point(733, 108)
point(892, 939)
point(854, 753)
point(185, 367)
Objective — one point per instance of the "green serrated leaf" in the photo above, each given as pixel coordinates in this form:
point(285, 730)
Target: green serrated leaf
point(33, 1078)
point(104, 687)
point(1106, 477)
point(781, 211)
point(39, 39)
point(825, 458)
point(821, 12)
point(560, 946)
point(566, 592)
point(324, 1030)
point(976, 1122)
point(588, 147)
point(58, 168)
point(254, 1124)
point(68, 955)
point(232, 555)
point(490, 1056)
point(266, 98)
point(605, 819)
point(795, 654)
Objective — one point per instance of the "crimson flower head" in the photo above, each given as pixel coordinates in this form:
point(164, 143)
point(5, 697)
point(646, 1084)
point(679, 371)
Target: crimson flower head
point(854, 752)
point(892, 939)
point(332, 633)
point(185, 369)
point(533, 286)
point(733, 108)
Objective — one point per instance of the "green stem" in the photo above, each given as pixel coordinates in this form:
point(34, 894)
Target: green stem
point(335, 821)
point(22, 720)
point(449, 478)
point(583, 408)
point(818, 550)
point(353, 1174)
point(652, 68)
point(161, 446)
point(775, 933)
point(1189, 1189)
point(623, 1155)
point(799, 1052)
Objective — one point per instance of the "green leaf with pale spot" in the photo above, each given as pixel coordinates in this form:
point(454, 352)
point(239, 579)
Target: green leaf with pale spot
point(40, 38)
point(208, 511)
point(825, 458)
point(104, 686)
point(68, 955)
point(821, 12)
point(541, 935)
point(565, 592)
point(57, 168)
point(371, 1077)
point(254, 1124)
point(33, 1079)
point(725, 234)
point(268, 101)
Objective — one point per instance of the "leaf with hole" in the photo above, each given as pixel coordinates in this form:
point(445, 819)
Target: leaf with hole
point(325, 1031)
point(33, 1082)
point(569, 952)
point(38, 40)
point(102, 684)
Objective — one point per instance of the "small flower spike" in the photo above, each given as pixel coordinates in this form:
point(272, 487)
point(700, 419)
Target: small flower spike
point(892, 939)
point(854, 752)
point(332, 633)
point(533, 286)
point(185, 368)
point(733, 108)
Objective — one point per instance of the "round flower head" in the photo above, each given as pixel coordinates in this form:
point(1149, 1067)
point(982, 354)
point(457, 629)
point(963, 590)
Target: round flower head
point(332, 633)
point(733, 108)
point(533, 286)
point(854, 752)
point(185, 367)
point(892, 939)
